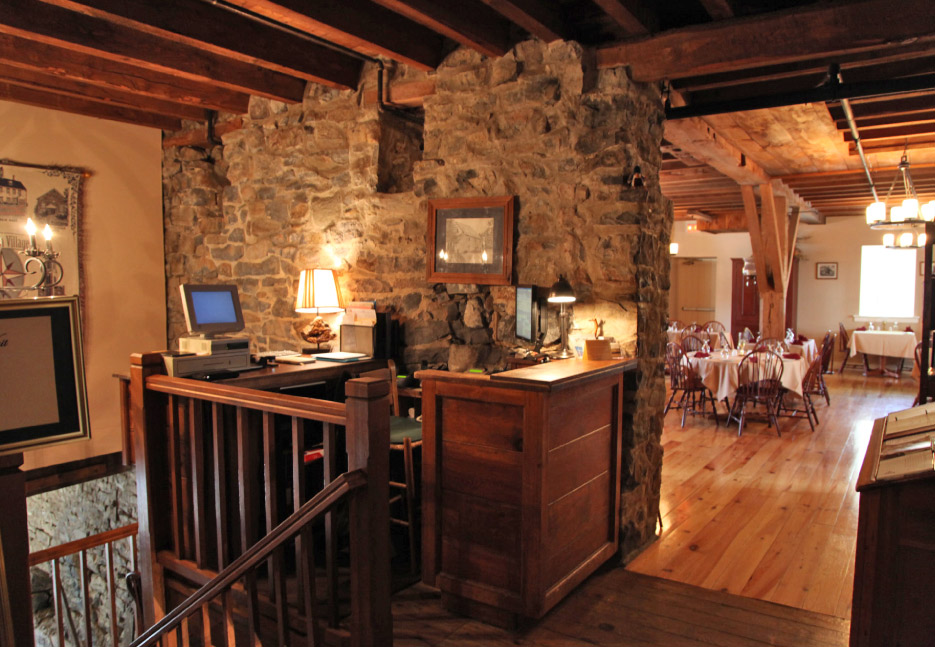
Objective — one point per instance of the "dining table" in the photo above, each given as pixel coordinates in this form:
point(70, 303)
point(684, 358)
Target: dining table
point(883, 343)
point(714, 339)
point(807, 348)
point(720, 372)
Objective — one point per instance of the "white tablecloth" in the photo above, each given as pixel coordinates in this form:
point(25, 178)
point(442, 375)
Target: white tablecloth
point(808, 350)
point(884, 343)
point(722, 375)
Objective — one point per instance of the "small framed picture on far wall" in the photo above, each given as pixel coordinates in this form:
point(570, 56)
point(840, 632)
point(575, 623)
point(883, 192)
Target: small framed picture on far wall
point(826, 270)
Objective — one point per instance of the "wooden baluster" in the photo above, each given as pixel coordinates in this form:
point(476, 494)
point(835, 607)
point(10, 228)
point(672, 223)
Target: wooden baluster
point(175, 490)
point(275, 563)
point(57, 600)
point(183, 629)
point(186, 519)
point(199, 486)
point(368, 447)
point(112, 593)
point(329, 439)
point(227, 605)
point(148, 411)
point(246, 471)
point(298, 490)
point(220, 484)
point(307, 582)
point(206, 625)
point(85, 596)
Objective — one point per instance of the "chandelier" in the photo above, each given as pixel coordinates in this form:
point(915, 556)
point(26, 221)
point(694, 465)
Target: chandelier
point(903, 218)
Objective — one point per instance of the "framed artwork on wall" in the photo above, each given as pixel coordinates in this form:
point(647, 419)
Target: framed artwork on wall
point(470, 240)
point(826, 270)
point(42, 393)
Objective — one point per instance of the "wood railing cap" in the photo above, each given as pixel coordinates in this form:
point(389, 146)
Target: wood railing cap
point(151, 358)
point(368, 388)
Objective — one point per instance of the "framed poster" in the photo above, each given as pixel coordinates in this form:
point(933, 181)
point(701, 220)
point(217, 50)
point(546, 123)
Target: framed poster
point(826, 271)
point(47, 195)
point(470, 240)
point(42, 388)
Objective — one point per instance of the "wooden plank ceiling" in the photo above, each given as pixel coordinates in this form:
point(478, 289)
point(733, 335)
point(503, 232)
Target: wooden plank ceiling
point(764, 76)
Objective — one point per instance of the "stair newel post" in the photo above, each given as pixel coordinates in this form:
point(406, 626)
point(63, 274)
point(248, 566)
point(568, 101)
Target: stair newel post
point(148, 413)
point(368, 448)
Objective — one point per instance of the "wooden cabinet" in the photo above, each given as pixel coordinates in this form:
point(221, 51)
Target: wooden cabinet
point(895, 557)
point(521, 474)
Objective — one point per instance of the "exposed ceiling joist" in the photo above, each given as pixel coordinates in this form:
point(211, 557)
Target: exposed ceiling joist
point(544, 21)
point(718, 9)
point(76, 66)
point(359, 25)
point(773, 38)
point(34, 20)
point(469, 22)
point(205, 27)
point(634, 16)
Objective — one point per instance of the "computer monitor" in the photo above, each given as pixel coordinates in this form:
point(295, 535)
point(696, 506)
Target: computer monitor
point(527, 313)
point(211, 309)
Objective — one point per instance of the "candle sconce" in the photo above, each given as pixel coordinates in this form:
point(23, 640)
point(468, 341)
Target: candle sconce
point(40, 271)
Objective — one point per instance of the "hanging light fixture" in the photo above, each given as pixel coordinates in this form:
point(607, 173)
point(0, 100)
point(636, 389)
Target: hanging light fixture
point(905, 216)
point(749, 267)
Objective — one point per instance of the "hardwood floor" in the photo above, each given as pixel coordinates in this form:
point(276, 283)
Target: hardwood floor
point(766, 517)
point(618, 608)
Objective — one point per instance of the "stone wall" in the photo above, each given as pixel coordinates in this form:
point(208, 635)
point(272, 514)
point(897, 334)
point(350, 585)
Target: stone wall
point(72, 513)
point(326, 183)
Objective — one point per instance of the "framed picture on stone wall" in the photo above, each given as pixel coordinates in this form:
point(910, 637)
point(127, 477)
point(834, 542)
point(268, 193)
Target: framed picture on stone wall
point(42, 388)
point(470, 240)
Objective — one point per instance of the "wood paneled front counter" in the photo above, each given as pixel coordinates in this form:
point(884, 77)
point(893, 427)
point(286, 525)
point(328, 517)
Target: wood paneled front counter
point(521, 477)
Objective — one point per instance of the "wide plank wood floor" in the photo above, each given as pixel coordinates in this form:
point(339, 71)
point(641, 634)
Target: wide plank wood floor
point(766, 517)
point(620, 608)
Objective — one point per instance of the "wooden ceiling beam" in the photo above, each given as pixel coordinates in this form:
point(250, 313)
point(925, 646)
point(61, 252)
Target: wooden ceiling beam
point(895, 145)
point(773, 38)
point(544, 21)
point(87, 107)
point(469, 22)
point(205, 27)
point(919, 116)
point(81, 90)
point(883, 106)
point(359, 25)
point(636, 18)
point(718, 9)
point(896, 69)
point(44, 23)
point(80, 67)
point(199, 136)
point(869, 134)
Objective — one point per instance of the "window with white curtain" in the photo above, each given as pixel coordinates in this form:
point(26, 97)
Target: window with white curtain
point(887, 282)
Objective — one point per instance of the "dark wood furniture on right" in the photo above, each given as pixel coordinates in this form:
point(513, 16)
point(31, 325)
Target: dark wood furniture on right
point(895, 557)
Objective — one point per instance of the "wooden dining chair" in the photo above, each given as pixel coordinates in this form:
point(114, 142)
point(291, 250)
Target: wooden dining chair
point(844, 344)
point(827, 353)
point(725, 340)
point(714, 326)
point(692, 343)
point(405, 435)
point(760, 383)
point(683, 379)
point(810, 387)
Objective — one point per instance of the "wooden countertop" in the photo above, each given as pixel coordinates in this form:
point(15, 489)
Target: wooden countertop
point(548, 376)
point(292, 375)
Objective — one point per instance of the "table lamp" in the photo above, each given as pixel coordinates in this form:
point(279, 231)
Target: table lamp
point(563, 293)
point(318, 294)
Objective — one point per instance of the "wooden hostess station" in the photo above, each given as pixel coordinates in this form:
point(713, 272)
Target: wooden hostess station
point(521, 476)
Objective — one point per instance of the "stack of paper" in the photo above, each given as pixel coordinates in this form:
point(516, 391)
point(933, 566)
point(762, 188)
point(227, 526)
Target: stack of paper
point(360, 313)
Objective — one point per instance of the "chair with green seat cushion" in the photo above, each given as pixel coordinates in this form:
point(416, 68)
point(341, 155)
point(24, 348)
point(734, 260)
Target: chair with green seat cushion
point(405, 433)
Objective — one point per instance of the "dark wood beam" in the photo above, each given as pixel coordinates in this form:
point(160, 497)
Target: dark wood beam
point(884, 106)
point(718, 9)
point(86, 107)
point(81, 90)
point(359, 25)
point(634, 16)
point(212, 29)
point(895, 145)
point(469, 22)
point(199, 136)
point(918, 116)
point(895, 69)
point(773, 38)
point(411, 93)
point(80, 67)
point(41, 22)
point(538, 18)
point(869, 134)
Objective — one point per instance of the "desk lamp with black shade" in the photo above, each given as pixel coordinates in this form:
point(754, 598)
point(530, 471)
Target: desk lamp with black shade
point(562, 293)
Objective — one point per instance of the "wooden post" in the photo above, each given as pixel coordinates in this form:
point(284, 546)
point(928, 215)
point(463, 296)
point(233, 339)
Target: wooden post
point(368, 447)
point(14, 549)
point(148, 415)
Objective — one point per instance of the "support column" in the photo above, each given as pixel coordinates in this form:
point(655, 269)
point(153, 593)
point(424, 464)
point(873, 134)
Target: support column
point(14, 548)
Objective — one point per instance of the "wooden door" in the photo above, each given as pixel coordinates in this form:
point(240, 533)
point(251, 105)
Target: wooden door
point(692, 291)
point(745, 299)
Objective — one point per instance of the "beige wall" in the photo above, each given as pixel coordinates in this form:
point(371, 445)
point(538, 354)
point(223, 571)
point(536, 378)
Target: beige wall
point(123, 264)
point(822, 303)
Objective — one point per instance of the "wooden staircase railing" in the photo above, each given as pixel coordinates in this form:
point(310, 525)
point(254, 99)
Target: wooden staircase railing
point(299, 522)
point(6, 614)
point(81, 547)
point(219, 467)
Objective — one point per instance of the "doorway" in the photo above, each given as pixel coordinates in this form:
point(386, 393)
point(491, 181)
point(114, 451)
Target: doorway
point(691, 295)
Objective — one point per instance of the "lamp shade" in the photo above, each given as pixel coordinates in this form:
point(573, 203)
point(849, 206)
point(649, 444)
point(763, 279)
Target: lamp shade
point(561, 291)
point(318, 292)
point(673, 248)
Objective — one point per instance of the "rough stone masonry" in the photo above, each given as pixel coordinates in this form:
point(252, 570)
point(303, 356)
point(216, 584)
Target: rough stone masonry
point(333, 183)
